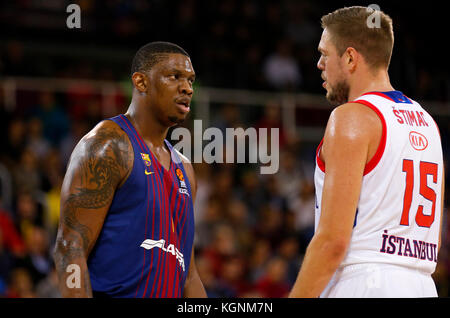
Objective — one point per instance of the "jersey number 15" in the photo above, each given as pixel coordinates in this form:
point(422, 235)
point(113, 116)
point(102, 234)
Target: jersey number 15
point(425, 168)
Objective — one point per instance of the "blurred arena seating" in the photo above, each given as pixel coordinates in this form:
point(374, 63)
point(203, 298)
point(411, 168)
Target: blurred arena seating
point(251, 229)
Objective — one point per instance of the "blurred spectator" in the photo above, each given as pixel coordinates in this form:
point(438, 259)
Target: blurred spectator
point(272, 119)
point(269, 226)
point(222, 185)
point(28, 213)
point(54, 120)
point(289, 176)
point(303, 208)
point(274, 198)
point(12, 248)
point(186, 26)
point(281, 70)
point(222, 246)
point(10, 239)
point(218, 54)
point(48, 287)
point(80, 96)
point(272, 26)
point(274, 284)
point(13, 61)
point(251, 194)
point(92, 112)
point(229, 116)
point(213, 285)
point(231, 276)
point(258, 258)
point(249, 74)
point(289, 251)
point(16, 141)
point(37, 260)
point(78, 128)
point(299, 27)
point(35, 139)
point(216, 34)
point(203, 176)
point(53, 173)
point(27, 174)
point(20, 284)
point(205, 226)
point(238, 218)
point(425, 85)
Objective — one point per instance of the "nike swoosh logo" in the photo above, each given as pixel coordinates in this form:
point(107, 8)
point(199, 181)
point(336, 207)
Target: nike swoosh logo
point(148, 172)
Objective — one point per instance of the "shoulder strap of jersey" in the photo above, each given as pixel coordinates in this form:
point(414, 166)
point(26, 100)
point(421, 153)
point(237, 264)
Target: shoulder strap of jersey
point(368, 101)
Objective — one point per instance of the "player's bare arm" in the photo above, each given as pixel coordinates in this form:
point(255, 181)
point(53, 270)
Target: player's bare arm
point(99, 164)
point(193, 287)
point(351, 138)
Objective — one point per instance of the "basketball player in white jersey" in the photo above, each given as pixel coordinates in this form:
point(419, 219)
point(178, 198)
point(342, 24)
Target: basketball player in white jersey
point(379, 173)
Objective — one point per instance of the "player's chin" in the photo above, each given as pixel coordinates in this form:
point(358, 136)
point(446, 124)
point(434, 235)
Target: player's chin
point(176, 120)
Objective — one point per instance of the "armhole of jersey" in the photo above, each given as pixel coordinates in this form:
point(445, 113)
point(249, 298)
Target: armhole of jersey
point(319, 161)
point(382, 145)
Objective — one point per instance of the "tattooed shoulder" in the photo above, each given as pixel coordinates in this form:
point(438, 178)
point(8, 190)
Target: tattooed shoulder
point(104, 155)
point(99, 164)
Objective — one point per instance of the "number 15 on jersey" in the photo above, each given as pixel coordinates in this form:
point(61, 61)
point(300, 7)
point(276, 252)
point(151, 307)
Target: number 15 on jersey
point(425, 169)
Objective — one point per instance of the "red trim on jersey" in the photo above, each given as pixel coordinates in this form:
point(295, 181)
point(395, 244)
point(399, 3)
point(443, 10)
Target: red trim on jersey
point(379, 153)
point(408, 98)
point(319, 161)
point(381, 147)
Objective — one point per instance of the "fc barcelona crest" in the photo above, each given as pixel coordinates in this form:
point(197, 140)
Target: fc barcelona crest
point(146, 159)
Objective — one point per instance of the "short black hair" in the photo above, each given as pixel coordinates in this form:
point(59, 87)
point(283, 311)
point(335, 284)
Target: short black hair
point(152, 53)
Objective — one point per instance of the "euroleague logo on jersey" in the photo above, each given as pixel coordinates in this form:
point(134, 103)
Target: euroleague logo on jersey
point(183, 189)
point(418, 141)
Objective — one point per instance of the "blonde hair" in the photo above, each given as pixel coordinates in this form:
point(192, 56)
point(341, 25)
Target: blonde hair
point(350, 27)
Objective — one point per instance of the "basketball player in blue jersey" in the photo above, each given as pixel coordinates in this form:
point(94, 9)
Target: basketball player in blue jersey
point(127, 224)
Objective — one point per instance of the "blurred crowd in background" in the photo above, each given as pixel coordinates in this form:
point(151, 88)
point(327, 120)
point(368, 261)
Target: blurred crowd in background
point(251, 229)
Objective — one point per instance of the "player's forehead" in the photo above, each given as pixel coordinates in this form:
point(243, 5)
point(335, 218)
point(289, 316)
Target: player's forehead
point(175, 62)
point(325, 44)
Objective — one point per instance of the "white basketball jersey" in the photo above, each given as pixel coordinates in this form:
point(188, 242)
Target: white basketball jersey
point(399, 210)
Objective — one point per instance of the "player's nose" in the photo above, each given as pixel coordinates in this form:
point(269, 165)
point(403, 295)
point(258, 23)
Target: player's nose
point(320, 64)
point(186, 88)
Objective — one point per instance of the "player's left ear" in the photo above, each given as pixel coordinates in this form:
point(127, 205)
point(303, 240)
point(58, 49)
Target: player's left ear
point(140, 81)
point(351, 57)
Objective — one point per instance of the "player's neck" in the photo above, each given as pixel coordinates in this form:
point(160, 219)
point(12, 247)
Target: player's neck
point(148, 127)
point(378, 82)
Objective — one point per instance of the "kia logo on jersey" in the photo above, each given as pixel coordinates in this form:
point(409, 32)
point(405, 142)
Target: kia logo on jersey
point(418, 141)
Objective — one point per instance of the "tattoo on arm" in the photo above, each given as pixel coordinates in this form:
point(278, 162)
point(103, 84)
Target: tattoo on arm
point(100, 173)
point(101, 161)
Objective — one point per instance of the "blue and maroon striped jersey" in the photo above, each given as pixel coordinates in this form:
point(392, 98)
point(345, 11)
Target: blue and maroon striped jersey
point(144, 248)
